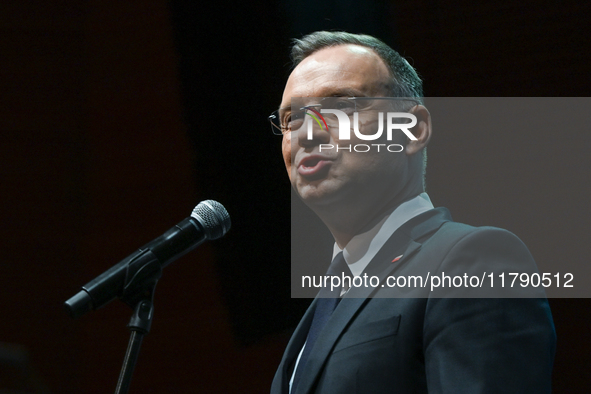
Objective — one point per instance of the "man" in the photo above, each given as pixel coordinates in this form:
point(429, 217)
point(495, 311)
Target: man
point(374, 339)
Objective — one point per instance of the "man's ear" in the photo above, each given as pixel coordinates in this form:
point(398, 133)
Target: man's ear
point(422, 130)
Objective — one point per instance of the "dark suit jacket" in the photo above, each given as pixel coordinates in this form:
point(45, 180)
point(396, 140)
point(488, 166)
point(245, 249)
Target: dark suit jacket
point(376, 344)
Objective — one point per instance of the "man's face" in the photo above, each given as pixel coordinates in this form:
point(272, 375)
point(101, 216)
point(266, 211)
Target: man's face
point(327, 176)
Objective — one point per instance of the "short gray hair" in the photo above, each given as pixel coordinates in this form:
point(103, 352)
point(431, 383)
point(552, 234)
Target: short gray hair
point(405, 80)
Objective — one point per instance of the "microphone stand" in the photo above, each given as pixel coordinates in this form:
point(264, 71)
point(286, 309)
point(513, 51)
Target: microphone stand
point(139, 325)
point(134, 278)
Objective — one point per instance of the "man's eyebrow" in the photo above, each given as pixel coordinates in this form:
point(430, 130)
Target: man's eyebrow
point(339, 92)
point(346, 92)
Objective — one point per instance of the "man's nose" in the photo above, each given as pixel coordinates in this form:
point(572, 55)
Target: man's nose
point(314, 134)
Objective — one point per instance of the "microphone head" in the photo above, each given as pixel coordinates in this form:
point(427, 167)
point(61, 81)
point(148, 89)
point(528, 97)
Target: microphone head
point(213, 217)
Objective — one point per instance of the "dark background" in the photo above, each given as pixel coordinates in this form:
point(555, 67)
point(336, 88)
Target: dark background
point(116, 118)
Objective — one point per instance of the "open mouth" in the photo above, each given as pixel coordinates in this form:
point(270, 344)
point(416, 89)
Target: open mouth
point(314, 167)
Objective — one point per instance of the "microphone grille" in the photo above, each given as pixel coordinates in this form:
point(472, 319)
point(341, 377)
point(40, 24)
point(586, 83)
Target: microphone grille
point(213, 217)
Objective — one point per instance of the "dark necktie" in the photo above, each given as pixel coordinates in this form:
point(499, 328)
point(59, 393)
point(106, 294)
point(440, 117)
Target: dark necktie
point(325, 305)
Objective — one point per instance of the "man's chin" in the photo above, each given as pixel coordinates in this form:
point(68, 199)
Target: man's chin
point(317, 193)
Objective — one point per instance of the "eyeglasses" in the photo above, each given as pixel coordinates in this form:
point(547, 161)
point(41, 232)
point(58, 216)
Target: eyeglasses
point(285, 120)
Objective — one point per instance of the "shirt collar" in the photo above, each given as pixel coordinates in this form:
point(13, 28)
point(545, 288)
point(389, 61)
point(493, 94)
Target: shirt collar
point(363, 247)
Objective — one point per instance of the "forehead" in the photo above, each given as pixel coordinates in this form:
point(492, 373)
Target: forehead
point(348, 70)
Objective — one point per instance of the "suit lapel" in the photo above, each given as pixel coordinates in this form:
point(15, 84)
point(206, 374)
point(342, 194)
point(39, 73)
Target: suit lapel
point(325, 342)
point(402, 242)
point(297, 340)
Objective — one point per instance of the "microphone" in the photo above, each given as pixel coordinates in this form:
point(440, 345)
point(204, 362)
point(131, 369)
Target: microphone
point(130, 278)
